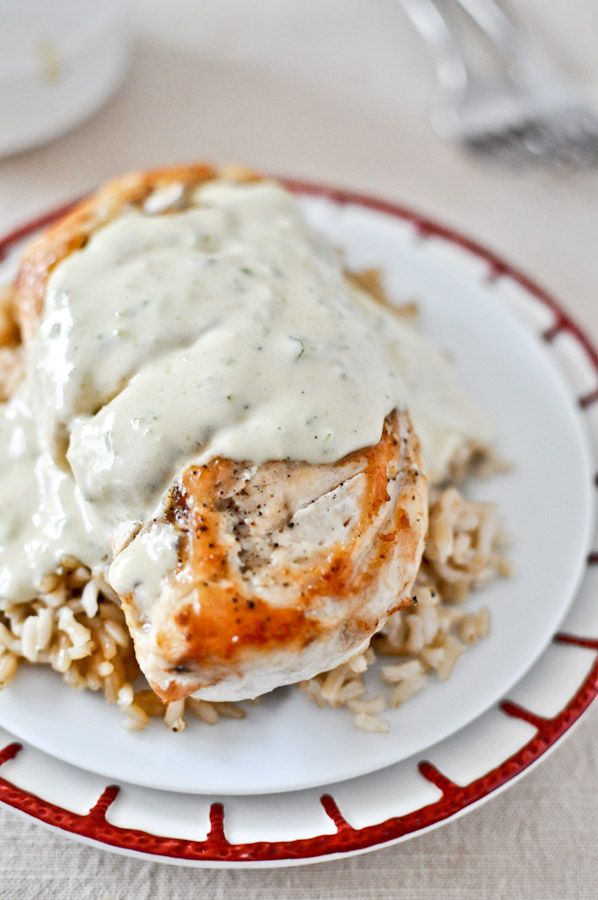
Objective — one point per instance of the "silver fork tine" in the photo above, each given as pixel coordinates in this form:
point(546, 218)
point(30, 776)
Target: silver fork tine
point(516, 144)
point(586, 125)
point(574, 142)
point(505, 146)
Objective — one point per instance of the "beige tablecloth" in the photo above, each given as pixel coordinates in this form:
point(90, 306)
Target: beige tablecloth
point(338, 91)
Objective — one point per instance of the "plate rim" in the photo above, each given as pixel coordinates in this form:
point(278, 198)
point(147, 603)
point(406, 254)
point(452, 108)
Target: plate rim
point(455, 800)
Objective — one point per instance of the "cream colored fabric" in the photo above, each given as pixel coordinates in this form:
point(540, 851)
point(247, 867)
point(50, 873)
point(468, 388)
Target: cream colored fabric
point(338, 91)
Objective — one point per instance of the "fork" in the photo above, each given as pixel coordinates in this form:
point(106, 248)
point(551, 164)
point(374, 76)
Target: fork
point(531, 113)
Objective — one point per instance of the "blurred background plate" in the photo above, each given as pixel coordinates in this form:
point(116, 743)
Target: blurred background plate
point(60, 60)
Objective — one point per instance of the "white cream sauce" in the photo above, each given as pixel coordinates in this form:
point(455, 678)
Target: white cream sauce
point(143, 563)
point(44, 518)
point(227, 329)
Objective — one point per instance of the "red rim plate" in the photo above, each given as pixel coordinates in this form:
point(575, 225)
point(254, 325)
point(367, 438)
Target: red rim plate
point(455, 799)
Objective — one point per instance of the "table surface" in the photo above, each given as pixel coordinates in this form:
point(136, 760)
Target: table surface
point(339, 92)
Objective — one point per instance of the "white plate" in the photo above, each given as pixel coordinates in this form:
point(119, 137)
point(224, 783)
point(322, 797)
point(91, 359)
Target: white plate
point(286, 743)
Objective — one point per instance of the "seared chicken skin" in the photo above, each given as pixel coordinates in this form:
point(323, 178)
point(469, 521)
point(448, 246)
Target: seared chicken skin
point(278, 571)
point(283, 571)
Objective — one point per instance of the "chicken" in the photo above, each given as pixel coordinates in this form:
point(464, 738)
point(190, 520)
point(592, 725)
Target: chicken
point(282, 571)
point(250, 576)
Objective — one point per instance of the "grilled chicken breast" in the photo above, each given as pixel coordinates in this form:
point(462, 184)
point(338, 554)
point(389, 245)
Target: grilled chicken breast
point(271, 573)
point(283, 571)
